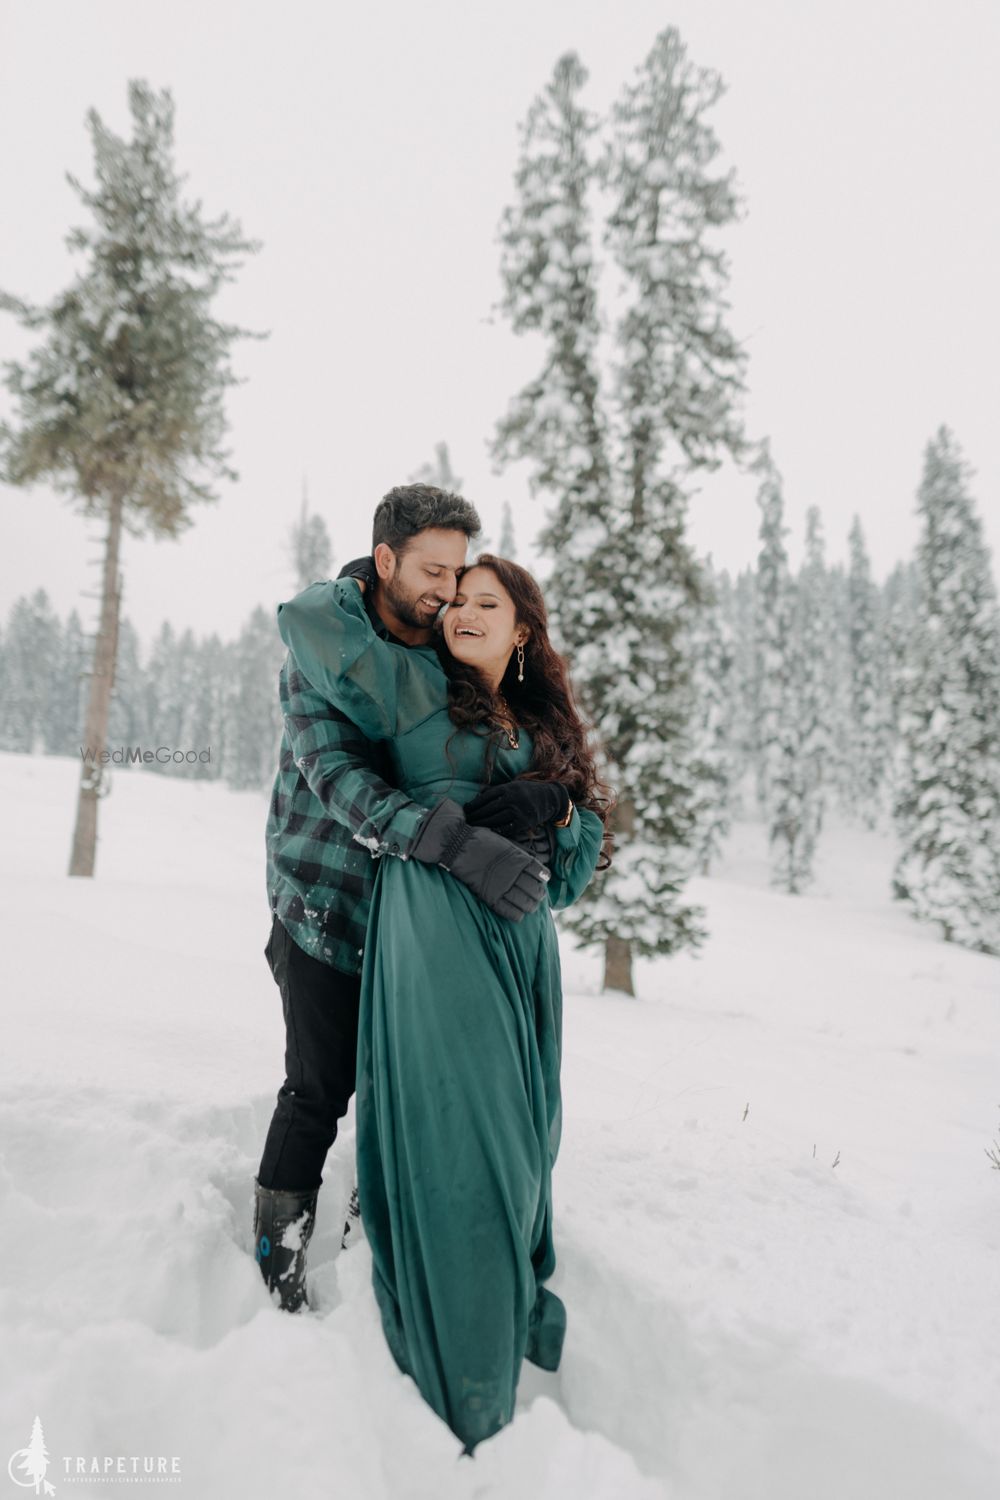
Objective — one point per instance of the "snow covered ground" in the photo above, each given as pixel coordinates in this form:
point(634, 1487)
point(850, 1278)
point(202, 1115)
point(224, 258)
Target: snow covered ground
point(779, 1235)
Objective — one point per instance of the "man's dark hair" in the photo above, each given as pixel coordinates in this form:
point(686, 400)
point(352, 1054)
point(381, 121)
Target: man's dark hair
point(410, 508)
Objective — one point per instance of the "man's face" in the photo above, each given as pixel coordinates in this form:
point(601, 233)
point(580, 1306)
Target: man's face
point(426, 576)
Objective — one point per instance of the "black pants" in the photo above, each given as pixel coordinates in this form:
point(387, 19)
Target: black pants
point(321, 1044)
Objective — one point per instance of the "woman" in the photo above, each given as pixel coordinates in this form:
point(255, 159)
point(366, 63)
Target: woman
point(458, 1102)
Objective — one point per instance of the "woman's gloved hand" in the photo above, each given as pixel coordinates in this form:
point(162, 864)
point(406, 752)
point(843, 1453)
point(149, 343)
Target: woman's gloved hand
point(514, 806)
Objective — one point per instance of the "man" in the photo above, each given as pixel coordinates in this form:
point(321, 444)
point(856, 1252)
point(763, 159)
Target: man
point(332, 814)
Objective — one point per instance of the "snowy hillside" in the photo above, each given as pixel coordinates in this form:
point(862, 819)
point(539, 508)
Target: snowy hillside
point(779, 1235)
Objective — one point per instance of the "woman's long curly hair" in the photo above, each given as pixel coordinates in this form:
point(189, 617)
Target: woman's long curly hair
point(543, 703)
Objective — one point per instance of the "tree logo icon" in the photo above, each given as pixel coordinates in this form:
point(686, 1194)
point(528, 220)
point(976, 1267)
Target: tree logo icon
point(32, 1462)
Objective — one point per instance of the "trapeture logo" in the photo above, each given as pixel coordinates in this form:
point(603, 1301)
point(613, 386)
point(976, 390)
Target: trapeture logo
point(27, 1467)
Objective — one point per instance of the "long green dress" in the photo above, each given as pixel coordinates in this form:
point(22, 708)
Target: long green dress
point(458, 1100)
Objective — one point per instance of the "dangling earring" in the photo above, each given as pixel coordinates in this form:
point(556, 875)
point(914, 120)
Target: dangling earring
point(520, 663)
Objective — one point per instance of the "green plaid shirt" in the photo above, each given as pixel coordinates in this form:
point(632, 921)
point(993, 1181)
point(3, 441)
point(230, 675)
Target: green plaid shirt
point(332, 815)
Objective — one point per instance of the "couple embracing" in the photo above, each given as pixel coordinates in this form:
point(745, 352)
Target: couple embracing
point(436, 799)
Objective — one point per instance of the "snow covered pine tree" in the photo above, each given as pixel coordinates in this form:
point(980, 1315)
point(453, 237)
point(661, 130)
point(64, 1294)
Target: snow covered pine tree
point(122, 406)
point(784, 771)
point(947, 804)
point(867, 737)
point(309, 545)
point(627, 586)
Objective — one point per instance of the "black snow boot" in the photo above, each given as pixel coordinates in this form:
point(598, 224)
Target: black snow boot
point(282, 1227)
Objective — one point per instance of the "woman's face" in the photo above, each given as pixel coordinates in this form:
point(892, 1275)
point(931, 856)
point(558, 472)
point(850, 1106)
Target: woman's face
point(479, 625)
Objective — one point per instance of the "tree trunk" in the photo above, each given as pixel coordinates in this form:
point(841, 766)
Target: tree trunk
point(102, 677)
point(618, 950)
point(618, 965)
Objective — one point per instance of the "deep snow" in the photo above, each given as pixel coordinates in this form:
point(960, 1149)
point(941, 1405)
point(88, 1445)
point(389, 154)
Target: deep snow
point(747, 1319)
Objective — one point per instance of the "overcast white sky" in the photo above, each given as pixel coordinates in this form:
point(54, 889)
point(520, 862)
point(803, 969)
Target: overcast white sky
point(371, 147)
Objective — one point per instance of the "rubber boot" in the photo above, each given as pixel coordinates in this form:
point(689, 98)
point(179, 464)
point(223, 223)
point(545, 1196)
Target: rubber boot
point(282, 1227)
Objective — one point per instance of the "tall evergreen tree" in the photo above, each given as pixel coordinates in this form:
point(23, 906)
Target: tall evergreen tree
point(897, 613)
point(816, 686)
point(947, 806)
point(32, 653)
point(207, 702)
point(252, 724)
point(838, 765)
point(557, 421)
point(63, 728)
point(128, 722)
point(439, 473)
point(627, 585)
point(312, 554)
point(166, 692)
point(783, 728)
point(121, 404)
point(867, 725)
point(773, 626)
point(746, 711)
point(677, 377)
point(442, 476)
point(715, 758)
point(507, 544)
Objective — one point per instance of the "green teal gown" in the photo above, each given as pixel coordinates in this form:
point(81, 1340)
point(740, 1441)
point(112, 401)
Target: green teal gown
point(458, 1098)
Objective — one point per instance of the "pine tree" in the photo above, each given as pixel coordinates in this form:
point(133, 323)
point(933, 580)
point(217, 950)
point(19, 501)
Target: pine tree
point(746, 710)
point(63, 729)
point(188, 662)
point(947, 808)
point(557, 421)
point(166, 693)
point(897, 614)
point(121, 405)
point(252, 727)
point(839, 766)
point(442, 476)
point(867, 739)
point(312, 554)
point(816, 686)
point(785, 788)
point(32, 651)
point(627, 587)
point(773, 625)
point(506, 544)
point(128, 723)
point(714, 758)
point(439, 473)
point(207, 704)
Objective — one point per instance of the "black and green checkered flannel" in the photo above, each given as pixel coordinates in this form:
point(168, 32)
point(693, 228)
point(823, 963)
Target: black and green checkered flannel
point(332, 814)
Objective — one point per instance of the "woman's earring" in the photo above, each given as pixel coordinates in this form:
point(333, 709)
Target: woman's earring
point(520, 663)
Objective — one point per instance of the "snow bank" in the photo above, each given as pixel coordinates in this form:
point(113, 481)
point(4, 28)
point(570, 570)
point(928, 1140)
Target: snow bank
point(747, 1319)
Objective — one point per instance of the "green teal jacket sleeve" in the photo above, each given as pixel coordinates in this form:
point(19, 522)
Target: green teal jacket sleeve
point(335, 759)
point(382, 688)
point(577, 848)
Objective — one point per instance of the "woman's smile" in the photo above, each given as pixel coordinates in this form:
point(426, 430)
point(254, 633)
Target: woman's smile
point(480, 624)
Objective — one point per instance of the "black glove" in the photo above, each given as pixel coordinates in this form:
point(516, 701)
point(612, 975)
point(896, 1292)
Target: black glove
point(505, 878)
point(363, 568)
point(513, 806)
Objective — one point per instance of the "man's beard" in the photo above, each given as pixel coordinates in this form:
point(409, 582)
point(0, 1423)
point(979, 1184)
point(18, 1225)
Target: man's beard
point(404, 604)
